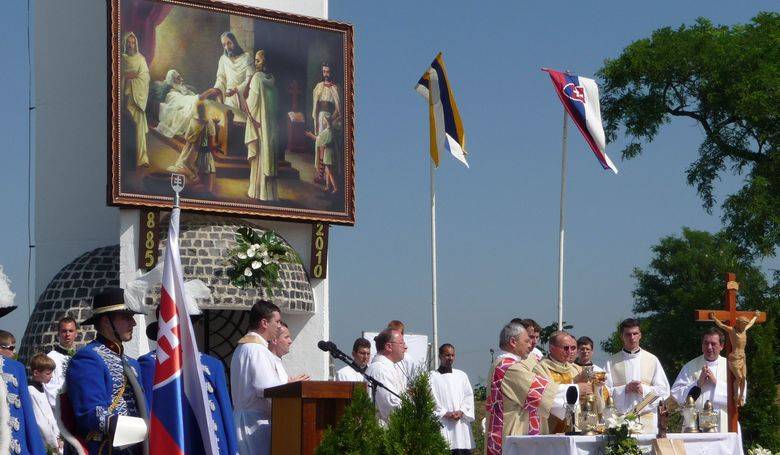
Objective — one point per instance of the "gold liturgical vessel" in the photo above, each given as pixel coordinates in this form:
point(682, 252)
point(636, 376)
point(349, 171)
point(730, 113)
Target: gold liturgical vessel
point(690, 416)
point(589, 419)
point(709, 419)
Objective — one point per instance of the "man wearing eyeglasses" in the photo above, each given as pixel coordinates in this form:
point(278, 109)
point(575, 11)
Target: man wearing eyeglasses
point(7, 344)
point(390, 348)
point(558, 368)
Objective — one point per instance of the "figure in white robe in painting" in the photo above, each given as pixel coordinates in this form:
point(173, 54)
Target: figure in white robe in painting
point(710, 372)
point(178, 107)
point(633, 373)
point(234, 70)
point(252, 370)
point(260, 136)
point(454, 402)
point(135, 88)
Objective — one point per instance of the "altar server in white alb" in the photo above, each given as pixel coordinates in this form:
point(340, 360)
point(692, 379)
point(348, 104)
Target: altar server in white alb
point(633, 373)
point(454, 402)
point(361, 353)
point(251, 372)
point(390, 348)
point(709, 372)
point(63, 351)
point(280, 347)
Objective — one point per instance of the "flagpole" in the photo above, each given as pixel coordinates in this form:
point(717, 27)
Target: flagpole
point(434, 296)
point(561, 230)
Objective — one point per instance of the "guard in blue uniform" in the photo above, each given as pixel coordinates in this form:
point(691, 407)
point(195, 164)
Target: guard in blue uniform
point(102, 382)
point(216, 389)
point(25, 437)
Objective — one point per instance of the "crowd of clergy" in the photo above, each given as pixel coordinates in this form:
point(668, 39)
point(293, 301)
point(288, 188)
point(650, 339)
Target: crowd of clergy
point(74, 399)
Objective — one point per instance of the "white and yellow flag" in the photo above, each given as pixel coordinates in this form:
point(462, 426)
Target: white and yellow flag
point(446, 127)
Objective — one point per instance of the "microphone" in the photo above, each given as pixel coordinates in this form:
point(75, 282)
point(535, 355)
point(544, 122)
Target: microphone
point(695, 392)
point(325, 345)
point(571, 395)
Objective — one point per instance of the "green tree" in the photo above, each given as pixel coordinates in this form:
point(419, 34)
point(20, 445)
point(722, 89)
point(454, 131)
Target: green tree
point(413, 428)
point(726, 79)
point(357, 433)
point(687, 273)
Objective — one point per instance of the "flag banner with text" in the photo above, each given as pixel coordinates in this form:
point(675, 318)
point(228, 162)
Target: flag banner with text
point(181, 420)
point(580, 98)
point(446, 127)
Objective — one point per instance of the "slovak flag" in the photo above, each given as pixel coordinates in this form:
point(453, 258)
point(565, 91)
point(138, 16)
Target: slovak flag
point(580, 98)
point(181, 417)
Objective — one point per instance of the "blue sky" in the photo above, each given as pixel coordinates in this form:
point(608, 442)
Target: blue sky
point(498, 221)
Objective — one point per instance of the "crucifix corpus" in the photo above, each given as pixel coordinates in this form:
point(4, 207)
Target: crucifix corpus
point(735, 324)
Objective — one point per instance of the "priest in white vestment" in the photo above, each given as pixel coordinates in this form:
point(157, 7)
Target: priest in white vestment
point(633, 373)
point(326, 105)
point(260, 135)
point(514, 345)
point(135, 88)
point(252, 370)
point(390, 348)
point(61, 354)
point(709, 371)
point(280, 347)
point(361, 353)
point(454, 402)
point(234, 70)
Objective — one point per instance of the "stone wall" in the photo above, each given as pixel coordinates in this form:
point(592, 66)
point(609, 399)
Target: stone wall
point(204, 243)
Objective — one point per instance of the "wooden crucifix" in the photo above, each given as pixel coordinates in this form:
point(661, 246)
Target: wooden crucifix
point(728, 318)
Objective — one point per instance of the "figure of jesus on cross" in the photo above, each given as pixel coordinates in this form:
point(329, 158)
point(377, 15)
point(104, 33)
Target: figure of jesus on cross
point(736, 324)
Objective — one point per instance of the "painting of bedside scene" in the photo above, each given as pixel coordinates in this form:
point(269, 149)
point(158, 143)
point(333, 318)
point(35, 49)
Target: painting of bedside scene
point(253, 108)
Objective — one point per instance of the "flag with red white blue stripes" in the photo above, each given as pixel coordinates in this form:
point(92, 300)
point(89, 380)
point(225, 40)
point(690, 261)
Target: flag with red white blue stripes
point(580, 98)
point(181, 419)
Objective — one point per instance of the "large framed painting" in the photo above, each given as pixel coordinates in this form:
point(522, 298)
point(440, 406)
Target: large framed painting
point(254, 107)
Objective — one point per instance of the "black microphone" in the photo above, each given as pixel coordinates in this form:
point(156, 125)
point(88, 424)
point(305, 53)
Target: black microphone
point(571, 395)
point(326, 346)
point(695, 392)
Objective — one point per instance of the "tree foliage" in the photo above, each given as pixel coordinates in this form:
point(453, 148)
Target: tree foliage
point(726, 79)
point(687, 273)
point(357, 433)
point(413, 428)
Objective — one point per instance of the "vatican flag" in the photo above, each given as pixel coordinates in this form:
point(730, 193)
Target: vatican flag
point(446, 128)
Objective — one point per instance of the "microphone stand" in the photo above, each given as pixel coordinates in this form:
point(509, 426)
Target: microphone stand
point(375, 383)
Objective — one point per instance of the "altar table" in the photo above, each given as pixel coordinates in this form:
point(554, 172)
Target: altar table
point(695, 444)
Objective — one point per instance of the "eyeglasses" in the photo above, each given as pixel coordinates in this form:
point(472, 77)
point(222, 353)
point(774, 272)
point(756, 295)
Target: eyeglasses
point(567, 348)
point(10, 347)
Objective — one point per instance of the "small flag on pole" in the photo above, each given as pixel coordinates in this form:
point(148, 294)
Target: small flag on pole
point(446, 128)
point(181, 421)
point(580, 98)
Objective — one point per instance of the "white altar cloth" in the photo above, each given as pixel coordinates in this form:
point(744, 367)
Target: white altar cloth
point(695, 444)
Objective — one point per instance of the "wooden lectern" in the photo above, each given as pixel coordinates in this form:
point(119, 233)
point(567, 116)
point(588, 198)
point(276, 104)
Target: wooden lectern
point(301, 411)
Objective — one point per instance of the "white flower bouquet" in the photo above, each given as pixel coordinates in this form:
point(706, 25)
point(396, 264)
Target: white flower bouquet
point(257, 259)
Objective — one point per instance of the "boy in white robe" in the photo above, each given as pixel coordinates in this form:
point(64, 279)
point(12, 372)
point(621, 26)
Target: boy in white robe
point(361, 353)
point(61, 354)
point(42, 368)
point(708, 371)
point(454, 402)
point(251, 372)
point(633, 373)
